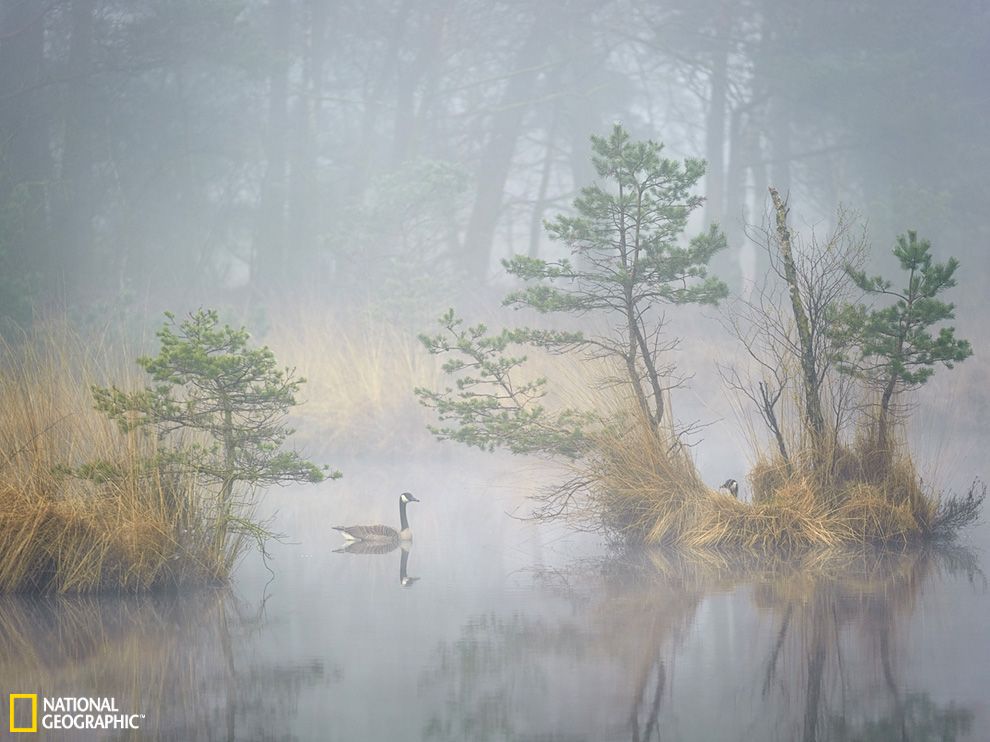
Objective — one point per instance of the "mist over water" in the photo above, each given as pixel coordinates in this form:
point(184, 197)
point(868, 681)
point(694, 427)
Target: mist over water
point(333, 176)
point(513, 630)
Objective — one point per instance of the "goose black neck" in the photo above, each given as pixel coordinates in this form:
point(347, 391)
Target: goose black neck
point(402, 514)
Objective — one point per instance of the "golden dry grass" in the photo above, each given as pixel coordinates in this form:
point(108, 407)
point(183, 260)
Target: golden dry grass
point(134, 527)
point(645, 488)
point(360, 374)
point(361, 371)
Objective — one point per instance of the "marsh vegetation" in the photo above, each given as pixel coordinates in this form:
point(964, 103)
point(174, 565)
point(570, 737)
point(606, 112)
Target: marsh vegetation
point(670, 245)
point(168, 497)
point(829, 372)
point(829, 357)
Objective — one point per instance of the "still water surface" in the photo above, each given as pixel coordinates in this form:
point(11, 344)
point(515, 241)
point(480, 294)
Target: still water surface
point(490, 628)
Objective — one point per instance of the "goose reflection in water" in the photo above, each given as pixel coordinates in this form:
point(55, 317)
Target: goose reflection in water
point(384, 547)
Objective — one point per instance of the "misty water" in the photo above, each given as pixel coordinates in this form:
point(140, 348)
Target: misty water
point(333, 176)
point(492, 628)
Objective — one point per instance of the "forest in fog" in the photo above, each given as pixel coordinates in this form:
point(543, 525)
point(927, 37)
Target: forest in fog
point(701, 282)
point(166, 154)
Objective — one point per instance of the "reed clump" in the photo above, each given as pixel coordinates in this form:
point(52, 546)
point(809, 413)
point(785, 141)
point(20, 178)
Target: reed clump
point(641, 484)
point(645, 489)
point(83, 506)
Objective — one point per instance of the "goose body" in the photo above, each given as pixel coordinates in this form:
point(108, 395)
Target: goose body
point(380, 533)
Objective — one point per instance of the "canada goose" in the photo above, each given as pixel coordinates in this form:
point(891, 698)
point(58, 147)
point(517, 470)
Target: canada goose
point(733, 486)
point(382, 533)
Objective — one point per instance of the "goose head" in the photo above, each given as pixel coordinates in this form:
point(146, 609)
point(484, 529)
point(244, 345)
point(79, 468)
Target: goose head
point(732, 485)
point(407, 497)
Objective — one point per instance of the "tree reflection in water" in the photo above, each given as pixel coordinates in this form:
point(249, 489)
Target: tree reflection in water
point(828, 669)
point(839, 627)
point(192, 662)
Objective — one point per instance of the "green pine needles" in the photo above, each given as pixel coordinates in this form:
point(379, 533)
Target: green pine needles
point(218, 407)
point(490, 407)
point(626, 261)
point(892, 348)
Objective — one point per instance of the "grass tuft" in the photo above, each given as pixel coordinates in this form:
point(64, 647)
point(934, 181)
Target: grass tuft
point(83, 506)
point(644, 489)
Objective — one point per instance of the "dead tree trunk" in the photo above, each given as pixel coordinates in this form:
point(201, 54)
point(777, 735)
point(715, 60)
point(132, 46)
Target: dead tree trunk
point(813, 415)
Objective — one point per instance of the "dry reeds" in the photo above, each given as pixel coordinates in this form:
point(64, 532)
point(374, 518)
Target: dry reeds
point(642, 482)
point(644, 488)
point(84, 507)
point(360, 374)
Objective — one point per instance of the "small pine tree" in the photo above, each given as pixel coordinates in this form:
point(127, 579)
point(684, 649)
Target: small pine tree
point(893, 348)
point(208, 380)
point(626, 260)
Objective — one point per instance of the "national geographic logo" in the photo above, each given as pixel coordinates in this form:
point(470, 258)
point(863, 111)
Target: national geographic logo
point(68, 713)
point(32, 698)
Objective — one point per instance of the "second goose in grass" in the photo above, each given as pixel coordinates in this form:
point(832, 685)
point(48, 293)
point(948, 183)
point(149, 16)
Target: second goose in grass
point(381, 533)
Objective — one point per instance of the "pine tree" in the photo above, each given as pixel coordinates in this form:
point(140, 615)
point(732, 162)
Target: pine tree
point(626, 261)
point(223, 404)
point(896, 347)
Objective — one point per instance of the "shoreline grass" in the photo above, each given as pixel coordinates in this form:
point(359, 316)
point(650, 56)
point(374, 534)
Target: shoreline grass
point(360, 374)
point(646, 490)
point(83, 506)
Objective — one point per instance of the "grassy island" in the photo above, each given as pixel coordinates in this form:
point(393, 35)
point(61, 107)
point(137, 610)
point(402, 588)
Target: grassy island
point(136, 487)
point(828, 359)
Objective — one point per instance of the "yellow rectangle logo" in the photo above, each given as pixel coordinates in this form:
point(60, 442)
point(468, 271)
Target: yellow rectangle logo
point(34, 712)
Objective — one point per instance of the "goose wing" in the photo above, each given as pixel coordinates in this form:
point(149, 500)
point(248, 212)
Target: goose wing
point(369, 533)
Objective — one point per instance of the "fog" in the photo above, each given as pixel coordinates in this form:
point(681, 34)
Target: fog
point(333, 175)
point(165, 152)
point(389, 155)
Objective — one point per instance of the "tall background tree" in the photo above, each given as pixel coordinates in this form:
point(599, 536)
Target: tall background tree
point(155, 148)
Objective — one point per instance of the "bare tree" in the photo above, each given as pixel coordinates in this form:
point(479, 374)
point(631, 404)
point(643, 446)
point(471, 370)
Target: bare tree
point(764, 333)
point(786, 328)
